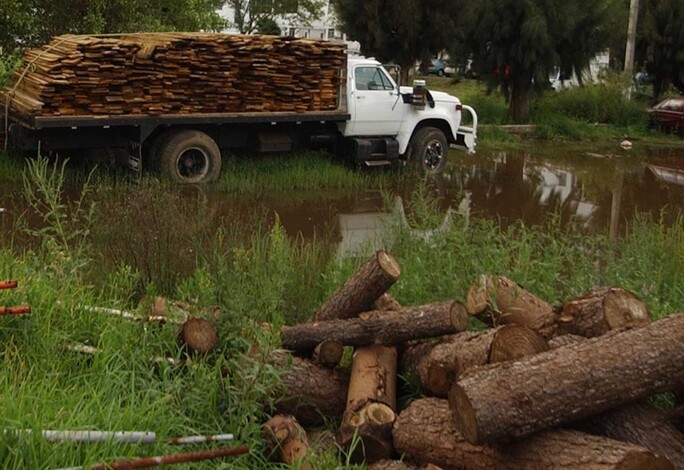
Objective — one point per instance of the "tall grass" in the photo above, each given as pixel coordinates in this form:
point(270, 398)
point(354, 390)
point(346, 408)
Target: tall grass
point(252, 273)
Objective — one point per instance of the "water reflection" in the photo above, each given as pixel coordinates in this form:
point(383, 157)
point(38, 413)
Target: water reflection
point(600, 191)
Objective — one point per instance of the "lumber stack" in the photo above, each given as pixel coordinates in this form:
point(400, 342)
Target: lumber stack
point(177, 73)
point(539, 387)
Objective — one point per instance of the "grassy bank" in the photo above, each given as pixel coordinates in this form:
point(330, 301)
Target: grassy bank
point(246, 273)
point(595, 111)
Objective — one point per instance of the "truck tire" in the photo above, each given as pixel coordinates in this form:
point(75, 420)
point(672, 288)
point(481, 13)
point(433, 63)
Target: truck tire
point(428, 150)
point(190, 156)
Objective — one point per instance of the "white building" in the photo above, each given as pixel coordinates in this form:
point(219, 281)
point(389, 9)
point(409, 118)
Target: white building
point(324, 28)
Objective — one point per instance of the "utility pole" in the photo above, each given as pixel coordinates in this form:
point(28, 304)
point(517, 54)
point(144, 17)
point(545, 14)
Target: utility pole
point(631, 38)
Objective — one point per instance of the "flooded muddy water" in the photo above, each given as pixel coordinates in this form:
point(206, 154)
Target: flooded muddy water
point(601, 190)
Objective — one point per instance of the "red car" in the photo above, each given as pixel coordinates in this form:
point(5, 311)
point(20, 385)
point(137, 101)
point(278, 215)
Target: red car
point(668, 115)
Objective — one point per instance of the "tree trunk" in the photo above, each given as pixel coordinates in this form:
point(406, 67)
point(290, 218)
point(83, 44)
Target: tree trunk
point(500, 301)
point(362, 289)
point(328, 353)
point(519, 108)
point(515, 399)
point(198, 336)
point(424, 432)
point(640, 424)
point(286, 441)
point(601, 310)
point(380, 327)
point(366, 429)
point(448, 360)
point(311, 392)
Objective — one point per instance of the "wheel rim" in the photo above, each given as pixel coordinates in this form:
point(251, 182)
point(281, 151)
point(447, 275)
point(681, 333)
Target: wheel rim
point(434, 155)
point(193, 164)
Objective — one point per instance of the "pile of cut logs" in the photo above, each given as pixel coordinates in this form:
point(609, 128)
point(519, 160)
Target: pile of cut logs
point(177, 73)
point(543, 387)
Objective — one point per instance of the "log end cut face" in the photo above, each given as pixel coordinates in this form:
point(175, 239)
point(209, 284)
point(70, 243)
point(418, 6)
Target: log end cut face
point(513, 342)
point(389, 264)
point(464, 415)
point(199, 336)
point(622, 308)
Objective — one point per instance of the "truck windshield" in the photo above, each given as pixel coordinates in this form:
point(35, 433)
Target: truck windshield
point(371, 78)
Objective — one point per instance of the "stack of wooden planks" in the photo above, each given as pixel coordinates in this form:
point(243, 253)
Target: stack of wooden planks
point(177, 73)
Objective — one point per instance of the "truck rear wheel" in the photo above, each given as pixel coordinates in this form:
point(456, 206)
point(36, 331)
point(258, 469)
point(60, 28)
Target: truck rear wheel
point(428, 150)
point(190, 157)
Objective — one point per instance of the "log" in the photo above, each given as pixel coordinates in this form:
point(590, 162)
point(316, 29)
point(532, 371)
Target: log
point(510, 400)
point(399, 465)
point(601, 310)
point(198, 336)
point(425, 433)
point(286, 441)
point(449, 360)
point(564, 340)
point(366, 429)
point(311, 392)
point(328, 353)
point(413, 353)
point(641, 424)
point(362, 289)
point(386, 302)
point(379, 327)
point(500, 301)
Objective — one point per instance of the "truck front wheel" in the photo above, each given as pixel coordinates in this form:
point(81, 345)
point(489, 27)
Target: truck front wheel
point(190, 157)
point(428, 150)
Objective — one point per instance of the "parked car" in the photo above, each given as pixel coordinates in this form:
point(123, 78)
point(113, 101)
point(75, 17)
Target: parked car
point(668, 115)
point(441, 68)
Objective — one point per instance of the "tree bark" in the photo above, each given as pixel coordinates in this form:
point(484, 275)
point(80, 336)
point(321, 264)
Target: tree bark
point(514, 399)
point(362, 289)
point(286, 441)
point(565, 340)
point(424, 432)
point(366, 429)
point(311, 392)
point(641, 424)
point(449, 360)
point(379, 327)
point(601, 310)
point(198, 336)
point(386, 302)
point(500, 301)
point(328, 353)
point(399, 465)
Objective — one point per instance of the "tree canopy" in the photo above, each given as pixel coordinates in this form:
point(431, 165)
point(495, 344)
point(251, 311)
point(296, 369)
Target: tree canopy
point(519, 43)
point(402, 31)
point(661, 43)
point(251, 14)
point(27, 23)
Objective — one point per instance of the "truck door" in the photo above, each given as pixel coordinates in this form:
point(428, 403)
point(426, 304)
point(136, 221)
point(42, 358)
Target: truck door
point(376, 105)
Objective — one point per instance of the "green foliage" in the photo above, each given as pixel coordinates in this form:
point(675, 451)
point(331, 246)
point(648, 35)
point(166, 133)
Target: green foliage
point(251, 15)
point(402, 31)
point(268, 26)
point(661, 34)
point(34, 22)
point(8, 64)
point(518, 43)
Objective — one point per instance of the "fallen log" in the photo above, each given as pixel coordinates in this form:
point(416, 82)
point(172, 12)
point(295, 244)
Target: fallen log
point(366, 429)
point(564, 340)
point(328, 353)
point(286, 441)
point(198, 336)
point(379, 327)
point(500, 301)
point(310, 392)
point(386, 302)
point(601, 310)
point(425, 433)
point(641, 424)
point(362, 289)
point(399, 465)
point(446, 361)
point(510, 400)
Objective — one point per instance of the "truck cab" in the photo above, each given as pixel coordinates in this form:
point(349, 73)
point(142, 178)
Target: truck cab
point(388, 122)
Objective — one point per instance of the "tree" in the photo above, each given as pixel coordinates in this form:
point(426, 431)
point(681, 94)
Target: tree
point(250, 13)
point(519, 43)
point(268, 26)
point(34, 22)
point(403, 31)
point(661, 34)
